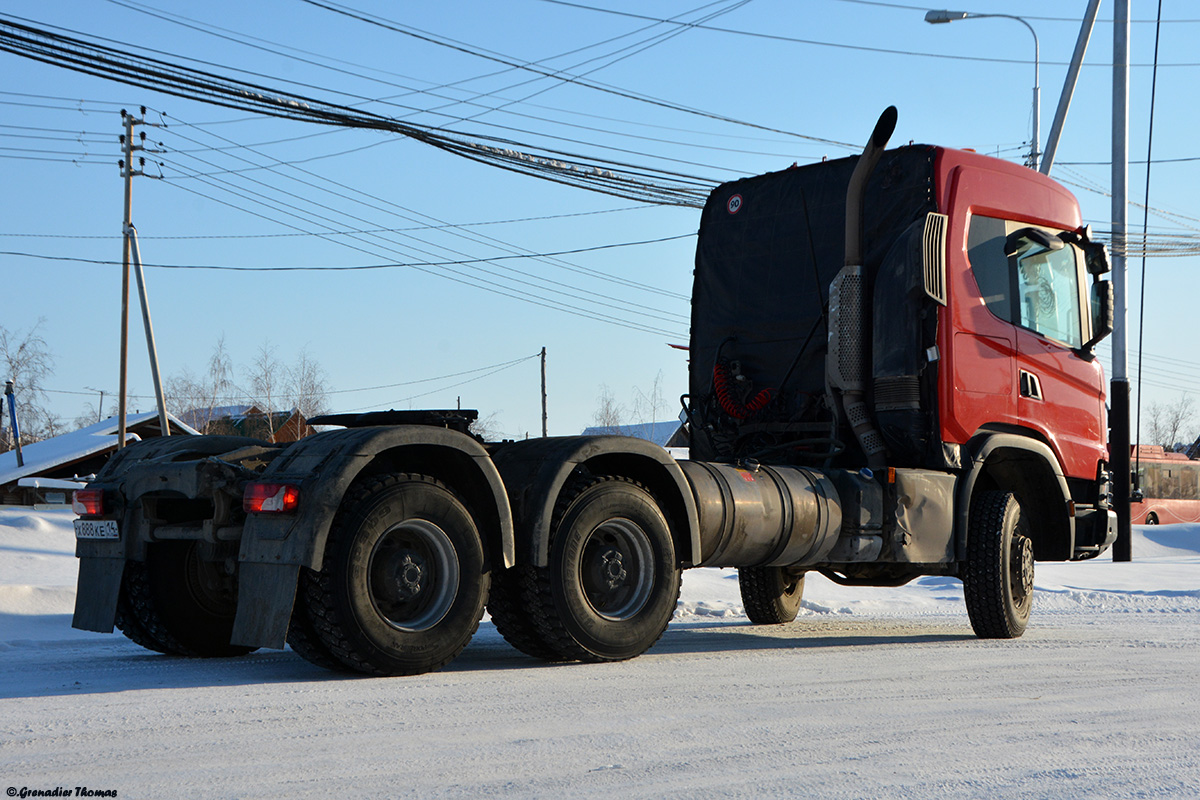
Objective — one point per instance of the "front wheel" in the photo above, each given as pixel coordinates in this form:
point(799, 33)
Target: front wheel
point(613, 580)
point(770, 595)
point(998, 579)
point(1151, 518)
point(404, 579)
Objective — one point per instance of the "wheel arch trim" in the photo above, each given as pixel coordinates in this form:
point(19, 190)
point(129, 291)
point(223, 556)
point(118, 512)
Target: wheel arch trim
point(996, 462)
point(274, 548)
point(326, 465)
point(536, 472)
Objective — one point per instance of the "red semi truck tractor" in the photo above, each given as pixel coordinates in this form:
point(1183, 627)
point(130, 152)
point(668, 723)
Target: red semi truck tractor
point(892, 374)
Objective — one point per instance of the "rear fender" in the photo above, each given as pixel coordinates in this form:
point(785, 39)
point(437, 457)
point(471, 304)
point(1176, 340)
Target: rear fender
point(133, 471)
point(536, 472)
point(275, 547)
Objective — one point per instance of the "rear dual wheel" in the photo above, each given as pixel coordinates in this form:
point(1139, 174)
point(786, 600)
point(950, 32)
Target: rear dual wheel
point(508, 605)
point(612, 581)
point(403, 582)
point(180, 601)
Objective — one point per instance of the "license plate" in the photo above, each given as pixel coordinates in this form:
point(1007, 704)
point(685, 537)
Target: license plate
point(96, 529)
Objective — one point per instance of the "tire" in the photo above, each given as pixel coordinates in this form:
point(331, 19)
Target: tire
point(304, 640)
point(134, 590)
point(404, 579)
point(1151, 518)
point(179, 603)
point(771, 595)
point(613, 579)
point(998, 579)
point(511, 612)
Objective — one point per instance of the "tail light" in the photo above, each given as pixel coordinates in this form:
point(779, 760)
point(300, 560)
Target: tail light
point(88, 502)
point(270, 498)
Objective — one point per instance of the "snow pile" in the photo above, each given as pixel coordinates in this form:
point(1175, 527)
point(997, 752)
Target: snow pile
point(1164, 577)
point(38, 571)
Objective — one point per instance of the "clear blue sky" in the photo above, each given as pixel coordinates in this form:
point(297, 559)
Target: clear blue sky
point(245, 191)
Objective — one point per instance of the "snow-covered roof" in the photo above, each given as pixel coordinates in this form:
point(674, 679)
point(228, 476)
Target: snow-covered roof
point(658, 432)
point(77, 445)
point(50, 483)
point(199, 417)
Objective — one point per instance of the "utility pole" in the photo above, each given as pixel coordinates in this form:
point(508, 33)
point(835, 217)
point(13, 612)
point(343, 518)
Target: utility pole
point(1064, 100)
point(16, 429)
point(127, 174)
point(544, 429)
point(131, 250)
point(1119, 441)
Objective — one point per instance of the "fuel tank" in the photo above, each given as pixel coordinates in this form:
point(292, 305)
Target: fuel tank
point(763, 516)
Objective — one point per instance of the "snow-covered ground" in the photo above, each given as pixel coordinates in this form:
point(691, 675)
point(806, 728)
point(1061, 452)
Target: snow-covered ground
point(870, 693)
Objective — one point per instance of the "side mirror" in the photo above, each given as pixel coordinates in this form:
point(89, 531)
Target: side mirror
point(1103, 313)
point(1095, 255)
point(1047, 241)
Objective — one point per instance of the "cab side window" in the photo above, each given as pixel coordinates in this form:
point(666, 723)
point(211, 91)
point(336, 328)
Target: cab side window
point(1036, 287)
point(985, 251)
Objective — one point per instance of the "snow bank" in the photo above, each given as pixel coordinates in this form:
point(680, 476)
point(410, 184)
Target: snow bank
point(38, 571)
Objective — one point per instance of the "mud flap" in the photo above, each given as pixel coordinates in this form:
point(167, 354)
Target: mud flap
point(265, 596)
point(98, 590)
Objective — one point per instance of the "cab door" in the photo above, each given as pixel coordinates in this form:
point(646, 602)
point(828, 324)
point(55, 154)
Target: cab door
point(1060, 388)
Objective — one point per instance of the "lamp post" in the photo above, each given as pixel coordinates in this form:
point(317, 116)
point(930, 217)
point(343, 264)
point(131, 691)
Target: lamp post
point(938, 17)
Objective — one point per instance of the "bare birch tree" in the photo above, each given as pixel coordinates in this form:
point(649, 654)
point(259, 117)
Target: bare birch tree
point(25, 359)
point(307, 386)
point(1172, 423)
point(609, 412)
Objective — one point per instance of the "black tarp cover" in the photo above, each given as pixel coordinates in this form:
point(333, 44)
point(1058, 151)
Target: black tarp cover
point(768, 248)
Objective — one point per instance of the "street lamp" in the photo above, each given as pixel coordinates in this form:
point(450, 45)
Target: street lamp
point(938, 17)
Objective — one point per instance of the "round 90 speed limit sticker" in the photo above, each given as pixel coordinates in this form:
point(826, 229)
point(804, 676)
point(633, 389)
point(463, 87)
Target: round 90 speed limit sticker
point(734, 205)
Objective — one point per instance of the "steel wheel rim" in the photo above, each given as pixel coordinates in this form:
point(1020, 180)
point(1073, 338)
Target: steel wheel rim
point(1021, 571)
point(208, 585)
point(617, 569)
point(412, 575)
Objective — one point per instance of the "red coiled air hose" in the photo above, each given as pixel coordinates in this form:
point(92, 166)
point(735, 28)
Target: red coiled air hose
point(721, 381)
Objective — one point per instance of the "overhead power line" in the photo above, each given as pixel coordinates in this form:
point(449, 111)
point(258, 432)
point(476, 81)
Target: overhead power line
point(473, 99)
point(461, 47)
point(922, 9)
point(836, 45)
point(352, 268)
point(600, 175)
point(231, 398)
point(373, 202)
point(196, 236)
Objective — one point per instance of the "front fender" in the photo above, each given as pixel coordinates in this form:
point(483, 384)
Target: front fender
point(1029, 468)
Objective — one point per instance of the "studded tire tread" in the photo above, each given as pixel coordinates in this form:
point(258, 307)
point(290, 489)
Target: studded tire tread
point(545, 589)
point(769, 595)
point(324, 593)
point(995, 519)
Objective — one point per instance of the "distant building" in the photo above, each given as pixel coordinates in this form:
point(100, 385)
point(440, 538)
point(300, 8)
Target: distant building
point(55, 466)
point(250, 420)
